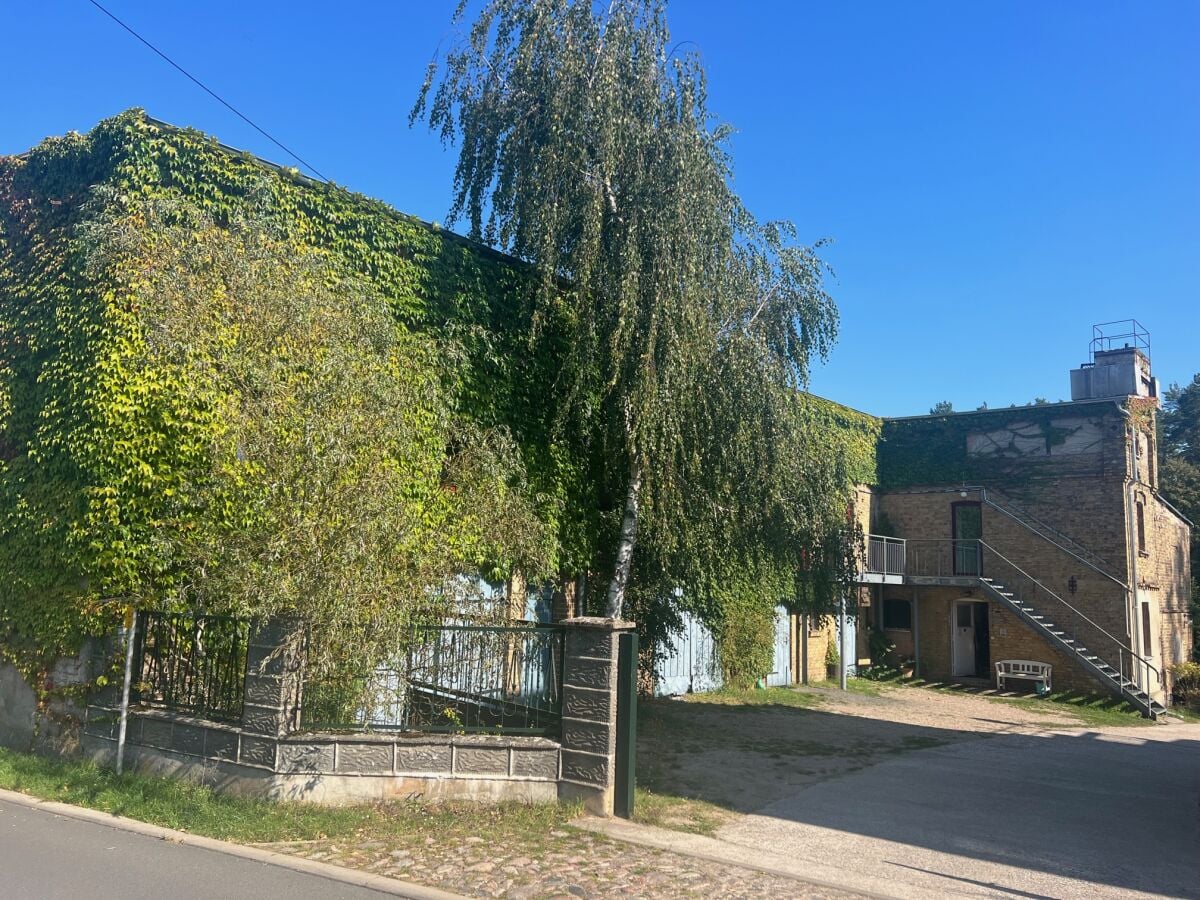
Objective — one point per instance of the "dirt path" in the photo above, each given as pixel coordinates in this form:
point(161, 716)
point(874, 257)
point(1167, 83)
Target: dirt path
point(703, 759)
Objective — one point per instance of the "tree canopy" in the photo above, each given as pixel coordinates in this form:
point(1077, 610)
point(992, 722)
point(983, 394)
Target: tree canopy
point(1179, 446)
point(586, 147)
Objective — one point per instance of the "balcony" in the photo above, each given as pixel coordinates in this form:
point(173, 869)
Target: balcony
point(885, 562)
point(946, 562)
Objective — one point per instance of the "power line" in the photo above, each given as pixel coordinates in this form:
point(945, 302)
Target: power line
point(200, 84)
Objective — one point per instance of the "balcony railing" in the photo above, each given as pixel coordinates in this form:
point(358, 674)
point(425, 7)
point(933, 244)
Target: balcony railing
point(945, 558)
point(885, 555)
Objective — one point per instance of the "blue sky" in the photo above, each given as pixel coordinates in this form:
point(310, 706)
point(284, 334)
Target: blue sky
point(995, 176)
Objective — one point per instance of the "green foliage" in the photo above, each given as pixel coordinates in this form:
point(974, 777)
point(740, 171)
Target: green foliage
point(191, 339)
point(881, 646)
point(587, 149)
point(1179, 473)
point(204, 364)
point(337, 488)
point(833, 656)
point(745, 631)
point(933, 449)
point(941, 408)
point(1185, 681)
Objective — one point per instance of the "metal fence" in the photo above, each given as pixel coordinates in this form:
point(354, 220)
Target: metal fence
point(944, 558)
point(451, 678)
point(191, 664)
point(885, 555)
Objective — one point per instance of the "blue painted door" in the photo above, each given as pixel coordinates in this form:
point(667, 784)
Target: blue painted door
point(781, 673)
point(850, 623)
point(689, 662)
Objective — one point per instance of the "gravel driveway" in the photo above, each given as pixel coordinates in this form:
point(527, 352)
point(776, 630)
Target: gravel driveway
point(916, 793)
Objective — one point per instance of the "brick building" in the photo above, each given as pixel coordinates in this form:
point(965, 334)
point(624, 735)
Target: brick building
point(1033, 533)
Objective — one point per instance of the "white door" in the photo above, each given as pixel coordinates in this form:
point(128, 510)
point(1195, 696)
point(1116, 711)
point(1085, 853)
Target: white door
point(962, 630)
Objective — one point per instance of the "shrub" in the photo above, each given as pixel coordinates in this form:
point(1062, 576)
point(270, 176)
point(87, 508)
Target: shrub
point(832, 655)
point(1185, 684)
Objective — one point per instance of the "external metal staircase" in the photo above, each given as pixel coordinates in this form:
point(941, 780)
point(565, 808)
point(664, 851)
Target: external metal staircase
point(1068, 629)
point(1008, 507)
point(1114, 664)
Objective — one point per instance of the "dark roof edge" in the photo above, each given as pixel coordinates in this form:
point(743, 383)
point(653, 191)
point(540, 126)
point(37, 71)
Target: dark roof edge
point(1116, 401)
point(1170, 506)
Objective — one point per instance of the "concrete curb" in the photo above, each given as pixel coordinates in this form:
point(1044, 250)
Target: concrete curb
point(713, 850)
point(380, 883)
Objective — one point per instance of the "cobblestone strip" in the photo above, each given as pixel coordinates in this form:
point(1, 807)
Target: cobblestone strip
point(570, 864)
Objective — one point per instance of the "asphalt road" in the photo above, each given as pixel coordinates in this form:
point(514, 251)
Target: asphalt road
point(44, 856)
point(1110, 813)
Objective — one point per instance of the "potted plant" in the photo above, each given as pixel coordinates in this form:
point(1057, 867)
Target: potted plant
point(833, 661)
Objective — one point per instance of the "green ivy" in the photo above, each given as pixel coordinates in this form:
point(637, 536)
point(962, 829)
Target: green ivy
point(96, 446)
point(933, 449)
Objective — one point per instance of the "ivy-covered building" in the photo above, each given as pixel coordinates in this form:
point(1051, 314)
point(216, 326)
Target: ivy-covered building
point(1031, 533)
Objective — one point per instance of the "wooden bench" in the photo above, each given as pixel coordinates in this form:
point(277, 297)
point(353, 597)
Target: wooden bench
point(1024, 669)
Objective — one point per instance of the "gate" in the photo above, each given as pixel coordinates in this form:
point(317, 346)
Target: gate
point(689, 663)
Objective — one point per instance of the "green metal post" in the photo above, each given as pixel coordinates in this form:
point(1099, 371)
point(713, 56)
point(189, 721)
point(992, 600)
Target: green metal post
point(627, 680)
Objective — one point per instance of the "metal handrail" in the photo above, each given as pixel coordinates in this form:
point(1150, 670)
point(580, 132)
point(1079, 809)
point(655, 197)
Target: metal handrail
point(945, 563)
point(1132, 653)
point(1024, 518)
point(983, 494)
point(879, 545)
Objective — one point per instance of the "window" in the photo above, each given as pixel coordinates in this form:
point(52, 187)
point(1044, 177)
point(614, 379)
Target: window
point(1147, 644)
point(897, 615)
point(1141, 525)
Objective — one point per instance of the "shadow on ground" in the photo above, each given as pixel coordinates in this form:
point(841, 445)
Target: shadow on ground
point(1014, 813)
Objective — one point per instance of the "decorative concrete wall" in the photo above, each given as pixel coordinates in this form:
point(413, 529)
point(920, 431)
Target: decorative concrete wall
point(331, 768)
point(260, 756)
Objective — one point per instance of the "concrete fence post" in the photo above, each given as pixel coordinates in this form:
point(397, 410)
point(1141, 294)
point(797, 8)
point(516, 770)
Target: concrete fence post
point(589, 711)
point(274, 668)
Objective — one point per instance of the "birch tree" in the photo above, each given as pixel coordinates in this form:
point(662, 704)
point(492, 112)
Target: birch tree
point(586, 148)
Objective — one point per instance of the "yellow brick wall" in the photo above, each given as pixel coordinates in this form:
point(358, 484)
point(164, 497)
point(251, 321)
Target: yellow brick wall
point(1086, 497)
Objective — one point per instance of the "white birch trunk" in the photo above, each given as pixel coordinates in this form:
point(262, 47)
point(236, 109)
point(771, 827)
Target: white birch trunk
point(624, 561)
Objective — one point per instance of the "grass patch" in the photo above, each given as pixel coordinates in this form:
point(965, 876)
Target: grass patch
point(1089, 709)
point(199, 810)
point(1190, 714)
point(678, 813)
point(868, 687)
point(753, 697)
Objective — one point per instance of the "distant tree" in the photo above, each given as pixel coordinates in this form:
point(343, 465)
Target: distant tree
point(1040, 401)
point(941, 408)
point(1179, 473)
point(587, 149)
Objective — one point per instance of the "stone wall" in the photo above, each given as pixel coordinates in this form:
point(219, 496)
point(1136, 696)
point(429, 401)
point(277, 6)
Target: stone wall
point(331, 768)
point(18, 710)
point(53, 725)
point(1164, 573)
